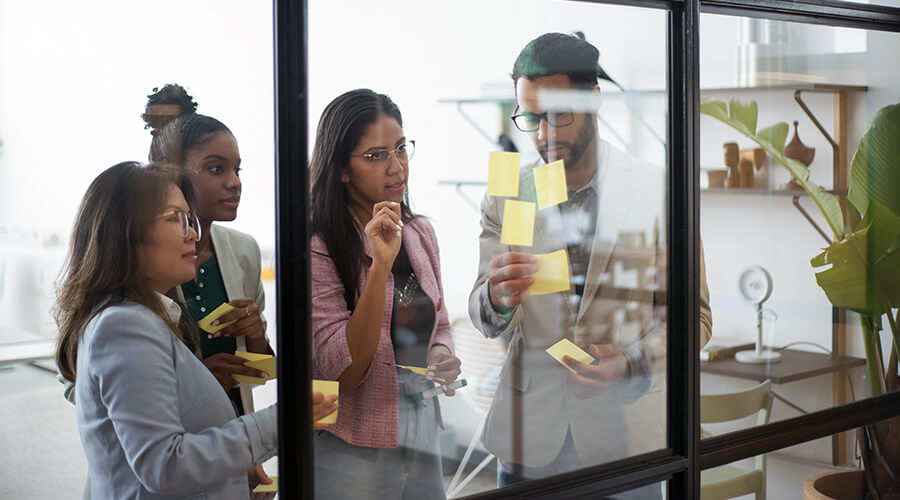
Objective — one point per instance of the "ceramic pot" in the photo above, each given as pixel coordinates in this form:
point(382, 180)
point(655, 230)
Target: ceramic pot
point(840, 485)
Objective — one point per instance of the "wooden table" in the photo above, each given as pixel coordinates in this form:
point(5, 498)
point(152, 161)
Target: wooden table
point(794, 365)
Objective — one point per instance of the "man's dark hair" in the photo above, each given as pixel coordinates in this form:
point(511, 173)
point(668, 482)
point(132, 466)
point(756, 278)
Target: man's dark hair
point(558, 53)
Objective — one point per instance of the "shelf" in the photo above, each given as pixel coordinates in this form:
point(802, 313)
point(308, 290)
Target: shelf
point(770, 192)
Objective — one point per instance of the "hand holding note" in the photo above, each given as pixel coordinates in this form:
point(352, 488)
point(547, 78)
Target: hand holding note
point(590, 379)
point(325, 406)
point(553, 273)
point(263, 362)
point(509, 276)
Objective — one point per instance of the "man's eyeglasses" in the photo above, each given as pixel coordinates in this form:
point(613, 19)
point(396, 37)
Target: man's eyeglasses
point(185, 220)
point(381, 157)
point(531, 122)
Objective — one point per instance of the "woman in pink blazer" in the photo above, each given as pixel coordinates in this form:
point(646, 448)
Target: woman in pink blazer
point(377, 304)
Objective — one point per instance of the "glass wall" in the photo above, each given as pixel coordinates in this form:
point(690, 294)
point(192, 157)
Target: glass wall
point(75, 83)
point(535, 230)
point(789, 305)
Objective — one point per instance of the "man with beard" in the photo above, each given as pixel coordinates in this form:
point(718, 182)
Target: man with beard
point(546, 419)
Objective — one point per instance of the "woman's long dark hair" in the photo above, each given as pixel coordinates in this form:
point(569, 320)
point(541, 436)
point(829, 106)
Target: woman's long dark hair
point(104, 264)
point(341, 126)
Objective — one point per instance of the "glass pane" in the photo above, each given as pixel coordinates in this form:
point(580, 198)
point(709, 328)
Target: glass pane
point(813, 94)
point(72, 96)
point(787, 473)
point(596, 222)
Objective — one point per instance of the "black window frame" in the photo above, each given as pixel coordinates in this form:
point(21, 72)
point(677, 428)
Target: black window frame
point(686, 455)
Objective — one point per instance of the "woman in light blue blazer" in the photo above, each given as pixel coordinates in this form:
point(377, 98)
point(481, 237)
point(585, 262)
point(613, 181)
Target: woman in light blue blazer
point(153, 420)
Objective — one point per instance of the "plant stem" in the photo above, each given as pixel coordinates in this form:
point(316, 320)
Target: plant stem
point(873, 359)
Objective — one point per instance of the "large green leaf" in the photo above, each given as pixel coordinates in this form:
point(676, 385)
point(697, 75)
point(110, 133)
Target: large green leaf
point(776, 135)
point(875, 170)
point(864, 272)
point(745, 114)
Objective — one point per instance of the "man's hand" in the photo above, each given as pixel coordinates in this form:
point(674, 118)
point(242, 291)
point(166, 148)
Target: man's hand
point(256, 475)
point(322, 407)
point(443, 365)
point(509, 277)
point(223, 366)
point(591, 380)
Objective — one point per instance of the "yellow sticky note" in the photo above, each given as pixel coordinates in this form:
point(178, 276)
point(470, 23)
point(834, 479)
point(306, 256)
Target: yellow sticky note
point(565, 347)
point(552, 275)
point(216, 314)
point(328, 388)
point(263, 362)
point(503, 174)
point(415, 369)
point(550, 184)
point(267, 488)
point(518, 223)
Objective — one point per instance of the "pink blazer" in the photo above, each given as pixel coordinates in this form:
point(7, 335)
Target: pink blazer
point(368, 413)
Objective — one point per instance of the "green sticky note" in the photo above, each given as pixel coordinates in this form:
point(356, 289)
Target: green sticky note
point(518, 223)
point(552, 275)
point(263, 362)
point(216, 314)
point(503, 174)
point(550, 184)
point(328, 388)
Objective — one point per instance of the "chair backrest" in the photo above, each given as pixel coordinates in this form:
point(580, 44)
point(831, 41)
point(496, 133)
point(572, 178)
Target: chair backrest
point(481, 360)
point(735, 405)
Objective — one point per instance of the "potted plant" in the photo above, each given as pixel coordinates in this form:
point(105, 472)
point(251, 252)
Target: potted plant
point(859, 271)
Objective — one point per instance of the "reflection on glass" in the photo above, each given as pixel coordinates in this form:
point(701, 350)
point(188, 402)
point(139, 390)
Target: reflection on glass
point(580, 354)
point(576, 181)
point(813, 120)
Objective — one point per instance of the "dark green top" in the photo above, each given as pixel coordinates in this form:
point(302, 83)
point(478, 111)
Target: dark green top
point(203, 297)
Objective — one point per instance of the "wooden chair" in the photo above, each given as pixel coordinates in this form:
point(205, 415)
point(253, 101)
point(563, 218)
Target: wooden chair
point(727, 481)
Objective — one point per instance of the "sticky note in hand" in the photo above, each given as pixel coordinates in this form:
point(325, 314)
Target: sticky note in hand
point(328, 388)
point(518, 223)
point(550, 184)
point(220, 311)
point(503, 174)
point(565, 347)
point(263, 362)
point(552, 275)
point(267, 488)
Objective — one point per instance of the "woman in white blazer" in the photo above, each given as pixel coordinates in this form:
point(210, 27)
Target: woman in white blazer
point(228, 261)
point(153, 420)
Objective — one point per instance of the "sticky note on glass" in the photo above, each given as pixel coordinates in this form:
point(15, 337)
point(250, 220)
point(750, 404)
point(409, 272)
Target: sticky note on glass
point(518, 223)
point(565, 347)
point(267, 488)
point(216, 314)
point(328, 388)
point(552, 275)
point(550, 184)
point(263, 362)
point(503, 174)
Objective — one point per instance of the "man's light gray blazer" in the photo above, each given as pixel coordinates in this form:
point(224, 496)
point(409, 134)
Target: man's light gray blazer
point(533, 409)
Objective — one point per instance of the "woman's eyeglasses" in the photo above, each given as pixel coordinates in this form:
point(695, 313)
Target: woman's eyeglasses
point(531, 122)
point(381, 157)
point(186, 221)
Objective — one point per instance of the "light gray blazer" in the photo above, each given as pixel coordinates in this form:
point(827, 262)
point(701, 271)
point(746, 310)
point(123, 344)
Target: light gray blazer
point(533, 409)
point(239, 262)
point(154, 422)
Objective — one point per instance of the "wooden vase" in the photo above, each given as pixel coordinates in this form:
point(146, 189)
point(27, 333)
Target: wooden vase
point(800, 152)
